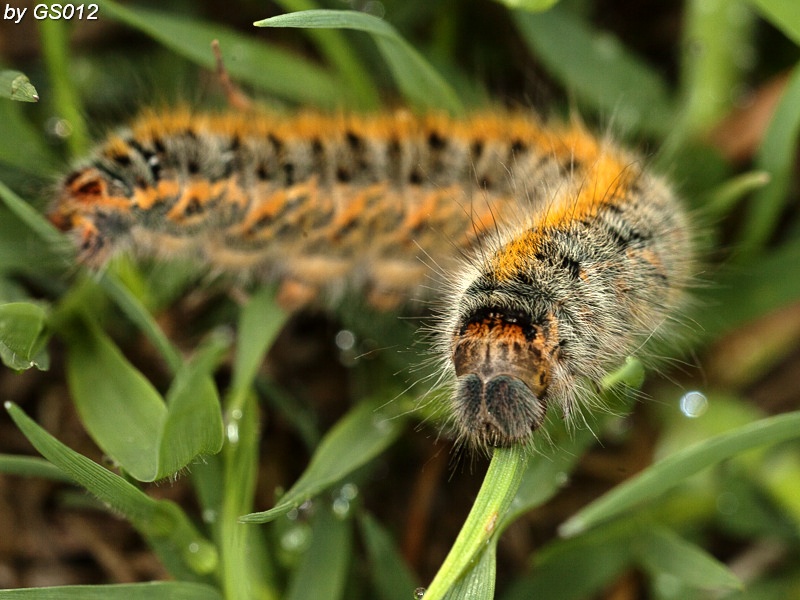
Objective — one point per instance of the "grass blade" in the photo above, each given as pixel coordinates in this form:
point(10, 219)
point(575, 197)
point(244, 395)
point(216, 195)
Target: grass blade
point(494, 499)
point(418, 81)
point(391, 577)
point(16, 86)
point(162, 522)
point(157, 590)
point(676, 468)
point(359, 436)
point(30, 466)
point(776, 157)
point(663, 552)
point(271, 69)
point(596, 67)
point(322, 573)
point(22, 336)
point(119, 407)
point(784, 14)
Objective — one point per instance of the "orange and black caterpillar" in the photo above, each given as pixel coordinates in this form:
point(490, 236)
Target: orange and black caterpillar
point(556, 253)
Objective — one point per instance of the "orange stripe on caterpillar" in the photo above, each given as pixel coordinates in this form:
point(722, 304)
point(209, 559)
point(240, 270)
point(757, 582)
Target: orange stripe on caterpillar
point(575, 254)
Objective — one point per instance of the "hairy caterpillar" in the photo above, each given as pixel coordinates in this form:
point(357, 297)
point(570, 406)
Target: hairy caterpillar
point(556, 253)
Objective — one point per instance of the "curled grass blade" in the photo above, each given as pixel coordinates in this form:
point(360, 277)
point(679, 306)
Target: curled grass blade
point(674, 469)
point(418, 81)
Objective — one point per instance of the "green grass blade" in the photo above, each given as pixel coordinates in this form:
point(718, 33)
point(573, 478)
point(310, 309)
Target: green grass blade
point(479, 581)
point(30, 466)
point(243, 552)
point(322, 572)
point(53, 239)
point(260, 321)
point(359, 436)
point(55, 45)
point(598, 70)
point(141, 317)
point(663, 552)
point(162, 522)
point(390, 575)
point(723, 31)
point(28, 153)
point(418, 81)
point(157, 590)
point(23, 336)
point(119, 407)
point(496, 494)
point(529, 5)
point(334, 47)
point(577, 568)
point(783, 14)
point(776, 157)
point(16, 86)
point(745, 291)
point(269, 68)
point(674, 469)
point(194, 420)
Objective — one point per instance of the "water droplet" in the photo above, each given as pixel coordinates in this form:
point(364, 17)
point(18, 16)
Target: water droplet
point(209, 515)
point(202, 557)
point(381, 423)
point(562, 479)
point(349, 491)
point(296, 539)
point(236, 414)
point(345, 339)
point(341, 507)
point(419, 593)
point(232, 432)
point(60, 128)
point(694, 404)
point(293, 514)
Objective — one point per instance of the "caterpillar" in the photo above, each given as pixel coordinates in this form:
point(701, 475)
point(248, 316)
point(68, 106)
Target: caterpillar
point(554, 254)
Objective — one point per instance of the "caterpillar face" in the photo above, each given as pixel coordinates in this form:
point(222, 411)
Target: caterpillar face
point(503, 364)
point(555, 253)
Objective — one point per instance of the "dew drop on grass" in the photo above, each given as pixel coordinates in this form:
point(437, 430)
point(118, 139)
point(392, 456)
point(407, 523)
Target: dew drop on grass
point(694, 404)
point(419, 593)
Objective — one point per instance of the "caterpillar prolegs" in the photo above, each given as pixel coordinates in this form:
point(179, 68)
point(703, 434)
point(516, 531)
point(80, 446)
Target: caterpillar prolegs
point(554, 253)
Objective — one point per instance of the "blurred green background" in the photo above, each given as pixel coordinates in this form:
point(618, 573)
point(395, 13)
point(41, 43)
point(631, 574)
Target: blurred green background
point(708, 90)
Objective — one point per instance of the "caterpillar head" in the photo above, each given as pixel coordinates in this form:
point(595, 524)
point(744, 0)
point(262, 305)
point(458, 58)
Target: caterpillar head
point(503, 363)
